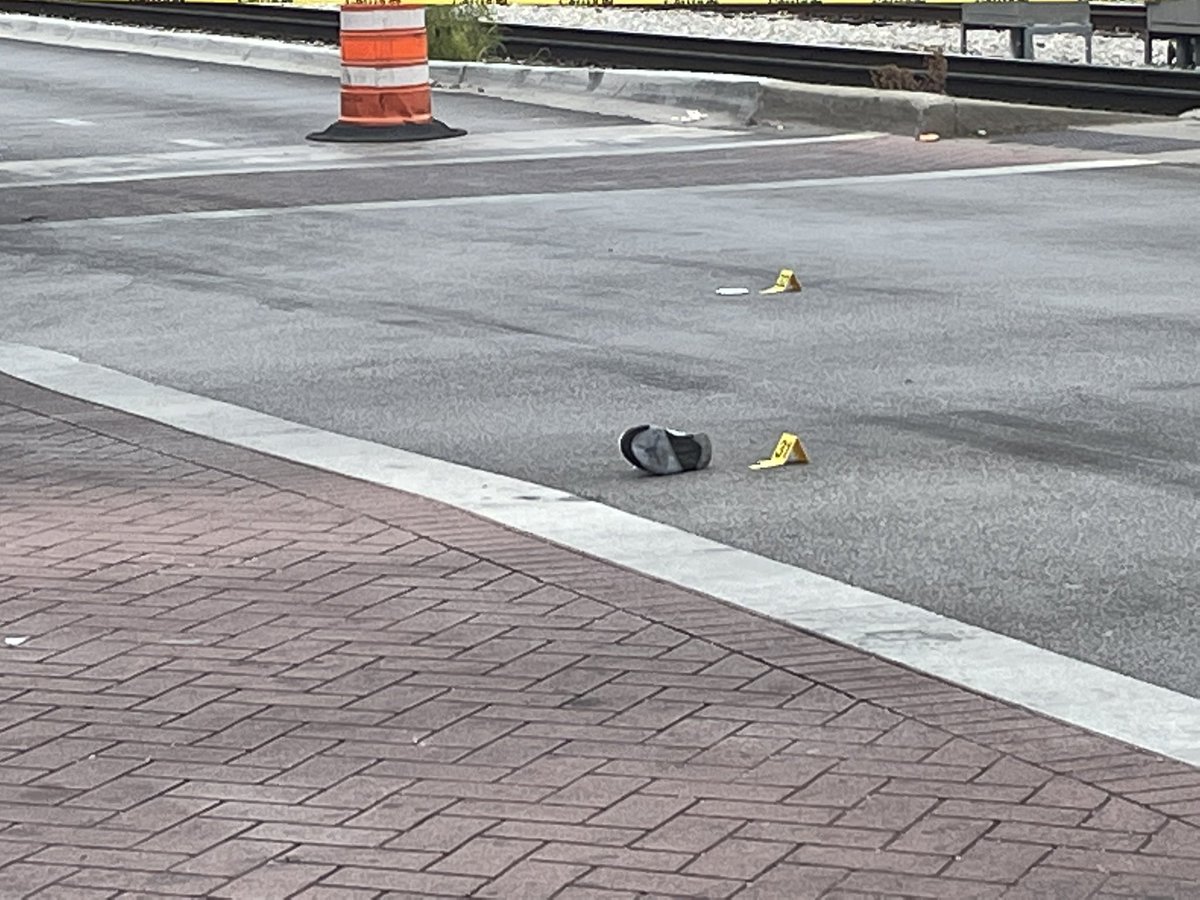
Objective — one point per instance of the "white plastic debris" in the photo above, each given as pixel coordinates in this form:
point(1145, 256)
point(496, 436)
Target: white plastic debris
point(732, 292)
point(15, 641)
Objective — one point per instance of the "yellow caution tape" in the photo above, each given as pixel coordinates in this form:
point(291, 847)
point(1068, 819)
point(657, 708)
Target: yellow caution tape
point(686, 4)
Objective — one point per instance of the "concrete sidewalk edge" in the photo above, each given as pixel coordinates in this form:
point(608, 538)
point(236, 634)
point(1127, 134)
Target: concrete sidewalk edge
point(1074, 692)
point(312, 686)
point(746, 100)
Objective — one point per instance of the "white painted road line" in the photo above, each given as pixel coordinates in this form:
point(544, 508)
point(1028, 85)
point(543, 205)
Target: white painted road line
point(259, 158)
point(1157, 719)
point(1078, 165)
point(496, 199)
point(194, 142)
point(577, 144)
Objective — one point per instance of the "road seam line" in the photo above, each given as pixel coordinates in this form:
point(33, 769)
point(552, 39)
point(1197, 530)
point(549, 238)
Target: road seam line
point(491, 199)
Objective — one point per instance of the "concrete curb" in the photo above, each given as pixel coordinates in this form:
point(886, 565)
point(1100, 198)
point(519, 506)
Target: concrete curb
point(742, 99)
point(253, 53)
point(734, 96)
point(768, 100)
point(905, 112)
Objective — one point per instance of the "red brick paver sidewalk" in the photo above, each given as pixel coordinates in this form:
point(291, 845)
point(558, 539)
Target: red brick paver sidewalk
point(245, 678)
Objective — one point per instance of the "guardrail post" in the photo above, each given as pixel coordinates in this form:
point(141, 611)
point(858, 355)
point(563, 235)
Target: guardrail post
point(385, 90)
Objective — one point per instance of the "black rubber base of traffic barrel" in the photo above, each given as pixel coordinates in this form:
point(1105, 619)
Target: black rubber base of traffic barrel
point(349, 132)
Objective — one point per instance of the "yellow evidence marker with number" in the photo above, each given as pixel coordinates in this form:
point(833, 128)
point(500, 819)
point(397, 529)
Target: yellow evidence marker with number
point(788, 451)
point(786, 282)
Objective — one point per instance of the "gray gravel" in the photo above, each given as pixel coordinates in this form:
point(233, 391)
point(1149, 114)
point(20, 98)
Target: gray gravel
point(1107, 49)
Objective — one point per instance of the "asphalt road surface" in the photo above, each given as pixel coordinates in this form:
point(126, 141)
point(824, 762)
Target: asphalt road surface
point(996, 377)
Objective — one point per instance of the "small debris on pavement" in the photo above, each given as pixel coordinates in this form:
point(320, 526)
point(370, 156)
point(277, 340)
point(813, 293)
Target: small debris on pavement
point(15, 641)
point(928, 137)
point(732, 291)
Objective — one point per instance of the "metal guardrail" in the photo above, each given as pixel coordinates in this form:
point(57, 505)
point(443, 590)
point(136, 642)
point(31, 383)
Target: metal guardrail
point(1155, 91)
point(1126, 89)
point(298, 23)
point(1179, 22)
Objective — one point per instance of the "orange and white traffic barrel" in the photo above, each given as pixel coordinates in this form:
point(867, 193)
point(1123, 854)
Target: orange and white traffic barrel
point(386, 94)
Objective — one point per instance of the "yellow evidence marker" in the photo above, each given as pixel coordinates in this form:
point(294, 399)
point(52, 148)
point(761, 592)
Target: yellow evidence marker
point(786, 282)
point(788, 451)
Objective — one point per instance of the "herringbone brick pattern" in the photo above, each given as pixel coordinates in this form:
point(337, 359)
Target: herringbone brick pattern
point(244, 678)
